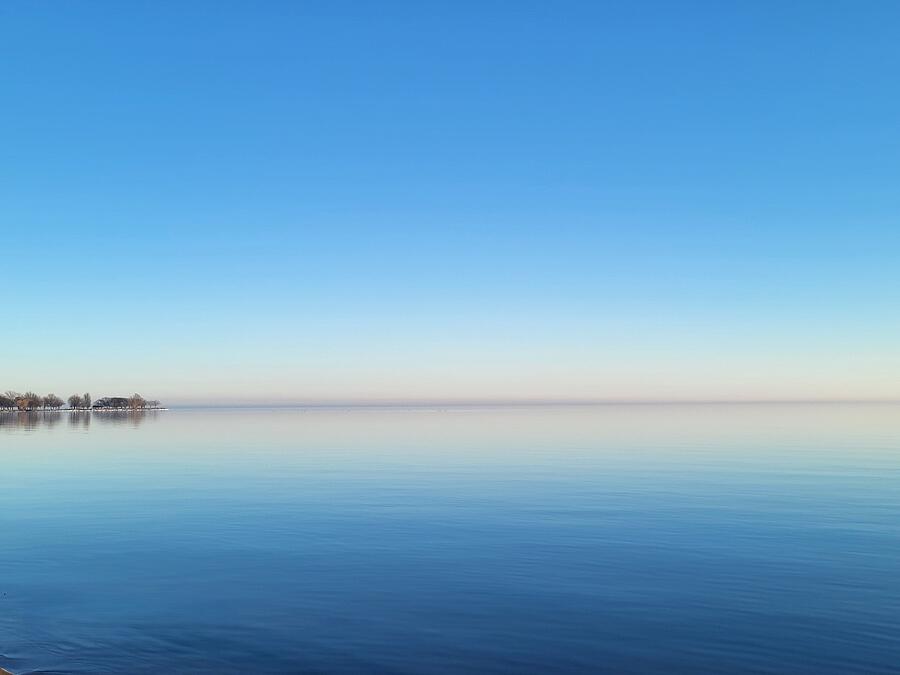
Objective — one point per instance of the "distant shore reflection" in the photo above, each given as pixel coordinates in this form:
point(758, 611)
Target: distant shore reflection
point(76, 420)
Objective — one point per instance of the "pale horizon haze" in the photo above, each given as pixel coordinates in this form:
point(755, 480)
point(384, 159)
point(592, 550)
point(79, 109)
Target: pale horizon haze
point(234, 202)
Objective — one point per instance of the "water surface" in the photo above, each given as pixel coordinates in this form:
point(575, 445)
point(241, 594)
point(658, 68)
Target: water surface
point(620, 539)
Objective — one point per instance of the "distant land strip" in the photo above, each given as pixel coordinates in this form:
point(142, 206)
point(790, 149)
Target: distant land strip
point(13, 401)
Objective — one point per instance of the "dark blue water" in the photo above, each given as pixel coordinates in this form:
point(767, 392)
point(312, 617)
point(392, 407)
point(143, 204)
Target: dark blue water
point(619, 539)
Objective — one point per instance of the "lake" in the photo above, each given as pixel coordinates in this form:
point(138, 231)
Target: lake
point(570, 539)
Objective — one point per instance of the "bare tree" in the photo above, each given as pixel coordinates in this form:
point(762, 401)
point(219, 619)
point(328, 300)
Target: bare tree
point(29, 401)
point(53, 401)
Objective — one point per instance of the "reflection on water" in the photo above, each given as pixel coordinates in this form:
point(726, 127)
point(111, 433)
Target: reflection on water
point(30, 420)
point(79, 419)
point(640, 539)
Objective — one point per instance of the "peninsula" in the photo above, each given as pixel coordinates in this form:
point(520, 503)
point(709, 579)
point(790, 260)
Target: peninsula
point(13, 401)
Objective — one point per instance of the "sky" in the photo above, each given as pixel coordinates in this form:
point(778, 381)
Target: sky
point(451, 201)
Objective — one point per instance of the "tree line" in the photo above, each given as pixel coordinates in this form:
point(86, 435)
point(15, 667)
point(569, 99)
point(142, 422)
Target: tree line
point(29, 401)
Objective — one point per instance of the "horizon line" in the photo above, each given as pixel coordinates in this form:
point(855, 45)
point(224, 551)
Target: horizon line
point(430, 403)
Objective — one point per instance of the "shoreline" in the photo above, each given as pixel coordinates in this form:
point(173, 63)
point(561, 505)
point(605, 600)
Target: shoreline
point(84, 410)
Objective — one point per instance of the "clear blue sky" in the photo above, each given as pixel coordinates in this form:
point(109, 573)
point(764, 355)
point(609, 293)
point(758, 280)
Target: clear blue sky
point(306, 201)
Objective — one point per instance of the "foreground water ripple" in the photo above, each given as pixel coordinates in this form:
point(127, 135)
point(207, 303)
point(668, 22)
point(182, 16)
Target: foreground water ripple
point(621, 539)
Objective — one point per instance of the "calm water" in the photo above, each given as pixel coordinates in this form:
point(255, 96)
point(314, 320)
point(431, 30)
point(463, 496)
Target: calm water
point(620, 539)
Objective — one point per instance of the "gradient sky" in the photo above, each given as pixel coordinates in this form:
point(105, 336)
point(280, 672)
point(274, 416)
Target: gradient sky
point(334, 201)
